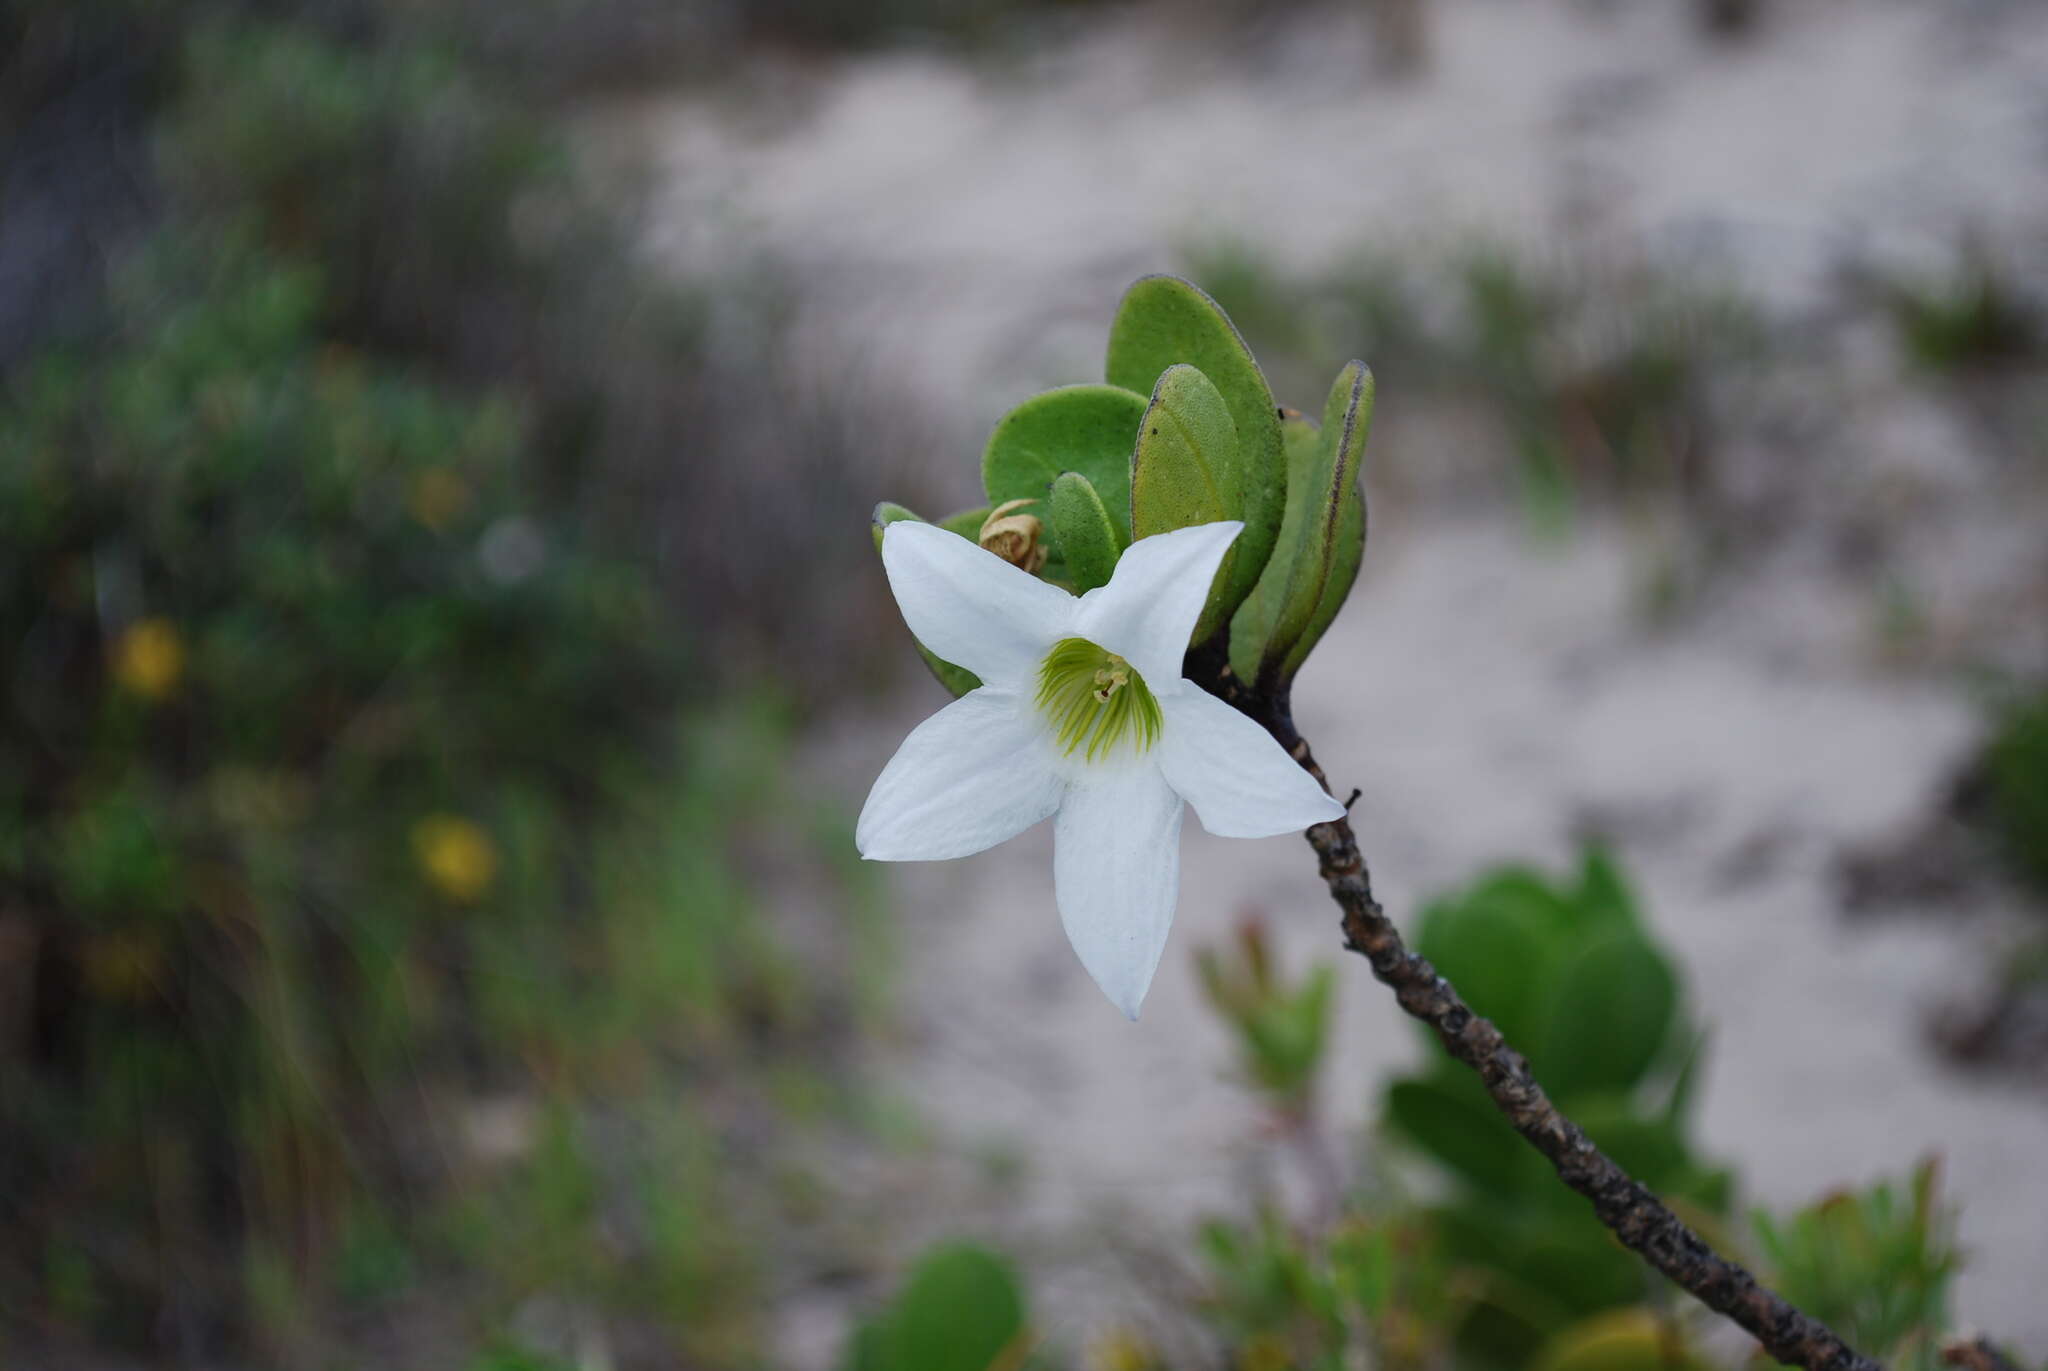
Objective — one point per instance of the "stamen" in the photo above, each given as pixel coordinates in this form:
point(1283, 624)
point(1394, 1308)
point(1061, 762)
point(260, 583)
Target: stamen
point(1094, 701)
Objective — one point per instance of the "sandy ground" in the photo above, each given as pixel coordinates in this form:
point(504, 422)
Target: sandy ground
point(960, 233)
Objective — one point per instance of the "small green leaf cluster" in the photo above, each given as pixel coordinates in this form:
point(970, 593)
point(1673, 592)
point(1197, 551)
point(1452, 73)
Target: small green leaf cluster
point(1571, 975)
point(1873, 1264)
point(1282, 1029)
point(1184, 431)
point(961, 1308)
point(1371, 1291)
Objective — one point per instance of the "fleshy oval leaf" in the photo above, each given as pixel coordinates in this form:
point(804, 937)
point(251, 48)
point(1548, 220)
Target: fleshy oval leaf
point(1164, 320)
point(1181, 475)
point(1321, 537)
point(960, 1309)
point(1084, 531)
point(956, 679)
point(1331, 541)
point(1611, 1008)
point(1087, 429)
point(1252, 626)
point(1456, 1125)
point(1347, 551)
point(967, 523)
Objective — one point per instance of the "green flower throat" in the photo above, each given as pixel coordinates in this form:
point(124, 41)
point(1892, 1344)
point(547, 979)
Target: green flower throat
point(1094, 700)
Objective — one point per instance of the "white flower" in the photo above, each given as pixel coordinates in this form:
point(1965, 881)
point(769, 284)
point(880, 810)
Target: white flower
point(1082, 713)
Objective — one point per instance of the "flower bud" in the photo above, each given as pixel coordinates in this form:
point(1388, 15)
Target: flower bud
point(1014, 537)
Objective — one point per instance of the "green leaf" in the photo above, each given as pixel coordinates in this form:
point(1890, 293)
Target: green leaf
point(1610, 1008)
point(956, 679)
point(1679, 1104)
point(1508, 1314)
point(1459, 1127)
point(1650, 1148)
point(1605, 898)
point(1497, 952)
point(1087, 429)
point(960, 1310)
point(1181, 475)
point(1270, 630)
point(867, 1348)
point(967, 523)
point(1527, 889)
point(1286, 1040)
point(1347, 551)
point(1579, 1265)
point(1300, 436)
point(1636, 1338)
point(1712, 1188)
point(1084, 530)
point(1163, 321)
point(887, 513)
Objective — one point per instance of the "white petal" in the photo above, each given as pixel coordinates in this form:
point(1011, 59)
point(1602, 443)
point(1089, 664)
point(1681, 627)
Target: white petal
point(1116, 872)
point(970, 607)
point(974, 774)
point(1153, 598)
point(1241, 783)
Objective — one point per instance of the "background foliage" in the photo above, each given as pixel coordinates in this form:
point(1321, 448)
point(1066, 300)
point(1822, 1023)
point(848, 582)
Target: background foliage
point(385, 951)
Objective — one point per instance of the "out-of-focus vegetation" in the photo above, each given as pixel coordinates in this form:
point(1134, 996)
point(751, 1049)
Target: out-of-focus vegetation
point(960, 1308)
point(1373, 1284)
point(1281, 1029)
point(1368, 1276)
point(1570, 973)
point(386, 954)
point(1481, 1259)
point(2016, 772)
point(1874, 1265)
point(1975, 315)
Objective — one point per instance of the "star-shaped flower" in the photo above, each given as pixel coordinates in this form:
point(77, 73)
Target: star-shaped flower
point(1083, 713)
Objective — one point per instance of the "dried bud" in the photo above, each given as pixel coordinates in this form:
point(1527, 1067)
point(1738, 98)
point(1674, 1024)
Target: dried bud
point(1014, 537)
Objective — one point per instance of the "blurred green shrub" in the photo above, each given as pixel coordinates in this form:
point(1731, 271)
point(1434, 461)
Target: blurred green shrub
point(1371, 1290)
point(2016, 775)
point(437, 210)
point(450, 226)
point(1282, 1030)
point(960, 1309)
point(337, 782)
point(378, 873)
point(1873, 1264)
point(1973, 315)
point(1571, 975)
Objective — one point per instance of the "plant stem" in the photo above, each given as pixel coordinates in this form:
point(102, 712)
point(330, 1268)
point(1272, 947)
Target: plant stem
point(1627, 1207)
point(1636, 1216)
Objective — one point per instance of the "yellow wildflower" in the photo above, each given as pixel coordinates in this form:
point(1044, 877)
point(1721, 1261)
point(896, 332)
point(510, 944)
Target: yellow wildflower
point(149, 657)
point(456, 856)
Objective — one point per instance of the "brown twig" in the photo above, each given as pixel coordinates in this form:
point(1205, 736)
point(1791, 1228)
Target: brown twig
point(1628, 1208)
